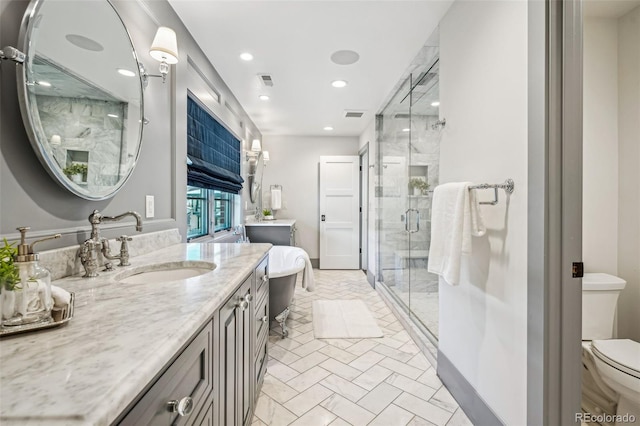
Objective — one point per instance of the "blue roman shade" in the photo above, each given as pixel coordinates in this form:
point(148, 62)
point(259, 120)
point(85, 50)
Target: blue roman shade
point(214, 152)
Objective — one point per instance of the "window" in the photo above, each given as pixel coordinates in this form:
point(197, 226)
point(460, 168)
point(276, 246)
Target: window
point(213, 172)
point(208, 209)
point(223, 209)
point(197, 212)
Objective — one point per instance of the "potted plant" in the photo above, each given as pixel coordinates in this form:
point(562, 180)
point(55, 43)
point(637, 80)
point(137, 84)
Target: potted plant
point(9, 280)
point(267, 214)
point(77, 172)
point(419, 185)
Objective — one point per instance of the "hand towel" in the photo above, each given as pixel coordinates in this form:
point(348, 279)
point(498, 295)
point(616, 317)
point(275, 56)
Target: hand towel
point(455, 218)
point(61, 297)
point(276, 199)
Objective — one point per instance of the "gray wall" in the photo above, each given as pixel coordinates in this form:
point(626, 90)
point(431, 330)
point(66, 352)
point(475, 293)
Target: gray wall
point(295, 165)
point(29, 197)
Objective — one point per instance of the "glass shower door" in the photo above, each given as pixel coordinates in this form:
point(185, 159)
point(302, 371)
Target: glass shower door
point(394, 128)
point(409, 150)
point(424, 159)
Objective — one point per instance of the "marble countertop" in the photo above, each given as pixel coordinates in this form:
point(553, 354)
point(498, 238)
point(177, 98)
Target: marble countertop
point(90, 369)
point(275, 222)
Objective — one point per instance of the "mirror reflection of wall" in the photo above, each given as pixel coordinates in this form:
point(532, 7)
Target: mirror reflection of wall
point(611, 151)
point(82, 102)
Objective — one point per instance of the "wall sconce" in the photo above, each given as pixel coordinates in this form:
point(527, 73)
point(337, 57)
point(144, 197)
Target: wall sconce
point(256, 148)
point(164, 49)
point(265, 156)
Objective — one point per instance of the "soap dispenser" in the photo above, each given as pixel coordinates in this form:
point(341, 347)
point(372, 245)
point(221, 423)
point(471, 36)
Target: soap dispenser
point(29, 300)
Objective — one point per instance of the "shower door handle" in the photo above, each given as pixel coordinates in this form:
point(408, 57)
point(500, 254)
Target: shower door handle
point(406, 221)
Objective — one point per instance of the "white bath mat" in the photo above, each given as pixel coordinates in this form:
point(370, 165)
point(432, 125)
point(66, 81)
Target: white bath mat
point(343, 319)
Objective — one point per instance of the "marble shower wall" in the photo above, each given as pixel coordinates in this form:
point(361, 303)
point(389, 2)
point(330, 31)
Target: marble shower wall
point(88, 134)
point(402, 159)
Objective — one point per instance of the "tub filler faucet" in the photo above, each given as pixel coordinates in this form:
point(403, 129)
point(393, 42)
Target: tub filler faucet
point(97, 244)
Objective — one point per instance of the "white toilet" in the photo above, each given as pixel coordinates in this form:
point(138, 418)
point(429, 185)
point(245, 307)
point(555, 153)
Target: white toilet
point(611, 366)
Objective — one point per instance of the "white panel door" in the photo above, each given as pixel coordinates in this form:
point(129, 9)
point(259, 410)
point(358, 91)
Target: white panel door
point(339, 212)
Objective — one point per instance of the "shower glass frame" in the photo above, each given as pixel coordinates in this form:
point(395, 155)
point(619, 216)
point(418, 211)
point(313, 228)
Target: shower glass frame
point(408, 138)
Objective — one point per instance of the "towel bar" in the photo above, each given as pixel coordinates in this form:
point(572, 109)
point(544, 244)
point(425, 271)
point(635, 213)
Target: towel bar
point(508, 187)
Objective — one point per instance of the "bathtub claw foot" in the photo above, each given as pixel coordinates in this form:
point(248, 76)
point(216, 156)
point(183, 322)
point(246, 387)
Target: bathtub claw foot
point(281, 318)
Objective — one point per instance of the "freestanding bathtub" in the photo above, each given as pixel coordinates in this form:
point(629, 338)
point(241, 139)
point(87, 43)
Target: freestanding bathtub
point(284, 264)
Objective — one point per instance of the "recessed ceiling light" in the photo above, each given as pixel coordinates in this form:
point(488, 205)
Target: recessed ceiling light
point(406, 129)
point(436, 103)
point(84, 42)
point(112, 115)
point(263, 97)
point(125, 72)
point(345, 57)
point(339, 83)
point(44, 83)
point(246, 56)
point(328, 128)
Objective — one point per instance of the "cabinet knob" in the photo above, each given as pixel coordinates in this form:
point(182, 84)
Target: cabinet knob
point(184, 407)
point(248, 298)
point(265, 278)
point(242, 303)
point(265, 319)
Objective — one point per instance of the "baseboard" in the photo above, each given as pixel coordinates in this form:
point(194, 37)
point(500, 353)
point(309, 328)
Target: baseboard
point(371, 278)
point(471, 403)
point(315, 263)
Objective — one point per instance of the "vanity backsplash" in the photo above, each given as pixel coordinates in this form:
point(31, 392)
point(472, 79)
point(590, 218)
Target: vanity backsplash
point(64, 262)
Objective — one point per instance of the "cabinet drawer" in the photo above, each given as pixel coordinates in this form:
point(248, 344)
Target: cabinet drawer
point(262, 318)
point(188, 376)
point(261, 363)
point(262, 279)
point(205, 418)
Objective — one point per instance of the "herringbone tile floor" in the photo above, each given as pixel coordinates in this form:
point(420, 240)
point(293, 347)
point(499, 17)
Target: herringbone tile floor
point(383, 381)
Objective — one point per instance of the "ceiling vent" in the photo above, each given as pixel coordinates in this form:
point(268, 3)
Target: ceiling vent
point(266, 79)
point(353, 114)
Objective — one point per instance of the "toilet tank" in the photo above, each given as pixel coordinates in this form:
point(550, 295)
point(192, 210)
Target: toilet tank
point(599, 301)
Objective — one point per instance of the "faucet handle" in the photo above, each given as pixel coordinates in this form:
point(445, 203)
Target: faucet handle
point(124, 249)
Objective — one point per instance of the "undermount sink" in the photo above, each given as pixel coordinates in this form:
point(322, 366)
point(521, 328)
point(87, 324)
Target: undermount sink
point(164, 272)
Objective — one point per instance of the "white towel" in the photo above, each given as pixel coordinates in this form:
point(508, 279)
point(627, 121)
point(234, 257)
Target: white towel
point(276, 199)
point(287, 260)
point(61, 297)
point(308, 281)
point(455, 218)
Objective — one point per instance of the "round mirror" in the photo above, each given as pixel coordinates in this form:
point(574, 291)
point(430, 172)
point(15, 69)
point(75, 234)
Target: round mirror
point(80, 94)
point(256, 166)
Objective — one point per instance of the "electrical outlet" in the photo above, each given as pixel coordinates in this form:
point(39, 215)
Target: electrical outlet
point(149, 206)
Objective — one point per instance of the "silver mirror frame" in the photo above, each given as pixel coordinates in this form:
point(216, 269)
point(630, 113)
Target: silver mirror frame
point(54, 171)
point(256, 167)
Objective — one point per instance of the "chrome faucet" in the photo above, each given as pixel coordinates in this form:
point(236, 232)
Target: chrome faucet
point(97, 244)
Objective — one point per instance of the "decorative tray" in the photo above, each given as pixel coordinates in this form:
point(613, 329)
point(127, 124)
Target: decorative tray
point(59, 317)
